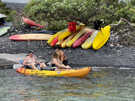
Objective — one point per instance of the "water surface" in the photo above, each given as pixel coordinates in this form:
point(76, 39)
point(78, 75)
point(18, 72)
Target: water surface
point(100, 85)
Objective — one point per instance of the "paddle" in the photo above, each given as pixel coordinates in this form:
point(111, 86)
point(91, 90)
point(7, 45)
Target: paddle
point(16, 66)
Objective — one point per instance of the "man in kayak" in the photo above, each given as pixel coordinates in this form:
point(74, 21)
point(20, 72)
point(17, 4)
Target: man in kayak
point(31, 62)
point(59, 60)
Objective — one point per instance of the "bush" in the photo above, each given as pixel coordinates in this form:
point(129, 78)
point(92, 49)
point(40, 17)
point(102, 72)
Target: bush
point(57, 13)
point(4, 10)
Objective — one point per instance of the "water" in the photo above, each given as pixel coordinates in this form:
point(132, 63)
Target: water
point(100, 85)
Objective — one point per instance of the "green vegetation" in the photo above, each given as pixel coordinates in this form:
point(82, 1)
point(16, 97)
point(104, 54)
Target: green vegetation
point(58, 12)
point(4, 10)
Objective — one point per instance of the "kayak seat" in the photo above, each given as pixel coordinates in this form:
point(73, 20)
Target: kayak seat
point(48, 68)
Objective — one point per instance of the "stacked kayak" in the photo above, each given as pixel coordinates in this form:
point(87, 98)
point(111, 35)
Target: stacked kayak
point(61, 36)
point(65, 38)
point(101, 38)
point(88, 43)
point(31, 22)
point(4, 30)
point(84, 37)
point(82, 72)
point(30, 36)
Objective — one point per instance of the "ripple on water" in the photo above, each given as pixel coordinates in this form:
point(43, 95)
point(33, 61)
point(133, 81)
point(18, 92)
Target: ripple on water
point(106, 84)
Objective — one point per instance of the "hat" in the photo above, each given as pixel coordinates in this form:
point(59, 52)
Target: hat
point(30, 51)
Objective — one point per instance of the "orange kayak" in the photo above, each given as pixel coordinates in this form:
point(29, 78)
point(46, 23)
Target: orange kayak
point(30, 36)
point(82, 72)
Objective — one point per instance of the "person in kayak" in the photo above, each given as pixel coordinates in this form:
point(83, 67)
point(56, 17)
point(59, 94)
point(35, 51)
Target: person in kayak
point(59, 60)
point(31, 62)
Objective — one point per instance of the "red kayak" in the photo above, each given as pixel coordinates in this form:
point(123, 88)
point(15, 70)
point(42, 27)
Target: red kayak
point(30, 22)
point(53, 43)
point(81, 39)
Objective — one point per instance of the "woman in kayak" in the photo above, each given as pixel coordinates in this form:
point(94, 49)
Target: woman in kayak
point(31, 62)
point(59, 60)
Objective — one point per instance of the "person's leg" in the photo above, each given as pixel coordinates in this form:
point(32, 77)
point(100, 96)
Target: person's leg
point(34, 67)
point(65, 62)
point(27, 67)
point(42, 65)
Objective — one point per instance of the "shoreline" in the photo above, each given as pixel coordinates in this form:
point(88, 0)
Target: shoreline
point(104, 57)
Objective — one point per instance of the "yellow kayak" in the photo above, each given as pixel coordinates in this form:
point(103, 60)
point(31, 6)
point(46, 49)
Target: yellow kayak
point(59, 42)
point(70, 42)
point(55, 35)
point(88, 43)
point(61, 34)
point(82, 72)
point(101, 38)
point(63, 45)
point(65, 34)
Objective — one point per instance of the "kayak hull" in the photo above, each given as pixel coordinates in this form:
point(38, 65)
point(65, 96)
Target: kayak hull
point(53, 43)
point(81, 40)
point(4, 30)
point(76, 37)
point(101, 38)
point(55, 35)
point(82, 72)
point(67, 33)
point(23, 37)
point(31, 22)
point(63, 44)
point(88, 43)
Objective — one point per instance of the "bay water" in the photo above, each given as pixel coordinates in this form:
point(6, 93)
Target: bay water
point(102, 84)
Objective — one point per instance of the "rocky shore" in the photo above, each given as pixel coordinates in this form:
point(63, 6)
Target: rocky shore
point(105, 57)
point(118, 52)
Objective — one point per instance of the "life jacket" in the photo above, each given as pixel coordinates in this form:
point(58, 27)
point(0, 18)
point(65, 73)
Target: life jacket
point(72, 26)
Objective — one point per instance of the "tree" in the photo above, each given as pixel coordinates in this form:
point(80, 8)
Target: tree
point(57, 13)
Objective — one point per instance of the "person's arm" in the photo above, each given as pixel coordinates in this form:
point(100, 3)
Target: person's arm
point(36, 59)
point(25, 61)
point(61, 66)
point(63, 58)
